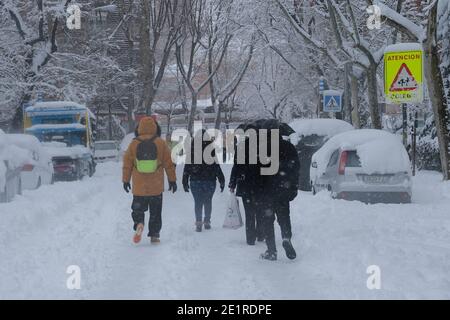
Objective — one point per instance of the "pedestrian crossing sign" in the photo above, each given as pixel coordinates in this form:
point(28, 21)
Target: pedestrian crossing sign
point(403, 76)
point(332, 101)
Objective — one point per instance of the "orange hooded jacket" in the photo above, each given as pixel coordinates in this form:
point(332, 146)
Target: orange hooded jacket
point(148, 184)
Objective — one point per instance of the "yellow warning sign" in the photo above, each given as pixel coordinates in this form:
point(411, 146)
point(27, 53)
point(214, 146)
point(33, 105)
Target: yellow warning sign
point(403, 76)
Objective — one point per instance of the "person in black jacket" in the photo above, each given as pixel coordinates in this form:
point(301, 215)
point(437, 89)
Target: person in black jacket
point(200, 178)
point(281, 188)
point(248, 184)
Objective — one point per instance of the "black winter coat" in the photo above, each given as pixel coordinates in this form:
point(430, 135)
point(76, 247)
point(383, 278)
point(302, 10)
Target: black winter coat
point(283, 186)
point(203, 171)
point(246, 178)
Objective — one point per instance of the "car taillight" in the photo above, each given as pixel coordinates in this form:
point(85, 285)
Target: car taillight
point(343, 162)
point(28, 167)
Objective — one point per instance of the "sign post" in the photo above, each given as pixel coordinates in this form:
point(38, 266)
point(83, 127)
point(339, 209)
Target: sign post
point(323, 85)
point(332, 101)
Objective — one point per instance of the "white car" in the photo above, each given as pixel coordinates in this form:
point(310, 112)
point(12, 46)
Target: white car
point(106, 151)
point(12, 158)
point(310, 135)
point(371, 166)
point(38, 170)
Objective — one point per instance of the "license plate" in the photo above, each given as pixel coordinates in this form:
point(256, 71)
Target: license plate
point(375, 179)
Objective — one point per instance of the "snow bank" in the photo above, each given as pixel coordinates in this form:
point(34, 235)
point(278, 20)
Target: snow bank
point(379, 151)
point(321, 127)
point(85, 223)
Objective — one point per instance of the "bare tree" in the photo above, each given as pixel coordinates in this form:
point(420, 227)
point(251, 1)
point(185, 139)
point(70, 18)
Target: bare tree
point(159, 25)
point(190, 58)
point(227, 80)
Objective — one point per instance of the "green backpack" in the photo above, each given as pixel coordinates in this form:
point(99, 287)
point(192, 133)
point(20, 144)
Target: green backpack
point(147, 156)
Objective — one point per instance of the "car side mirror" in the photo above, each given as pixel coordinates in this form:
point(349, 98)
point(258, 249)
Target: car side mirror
point(314, 165)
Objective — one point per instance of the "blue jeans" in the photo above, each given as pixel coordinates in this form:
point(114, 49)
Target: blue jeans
point(203, 192)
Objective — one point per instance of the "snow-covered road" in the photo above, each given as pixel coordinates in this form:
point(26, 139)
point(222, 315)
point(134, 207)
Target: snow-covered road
point(88, 224)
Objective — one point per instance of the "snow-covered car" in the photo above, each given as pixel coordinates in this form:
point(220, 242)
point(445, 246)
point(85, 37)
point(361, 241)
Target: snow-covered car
point(10, 183)
point(39, 169)
point(70, 163)
point(310, 135)
point(106, 151)
point(12, 159)
point(367, 165)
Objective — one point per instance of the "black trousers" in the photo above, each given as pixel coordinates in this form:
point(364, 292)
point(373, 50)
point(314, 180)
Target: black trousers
point(140, 206)
point(253, 219)
point(281, 211)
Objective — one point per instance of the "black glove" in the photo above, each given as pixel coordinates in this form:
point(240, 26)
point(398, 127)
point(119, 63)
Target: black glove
point(292, 194)
point(222, 187)
point(173, 187)
point(127, 187)
point(186, 187)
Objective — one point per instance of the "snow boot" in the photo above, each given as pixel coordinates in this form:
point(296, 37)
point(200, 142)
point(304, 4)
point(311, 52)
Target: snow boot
point(207, 225)
point(198, 227)
point(138, 235)
point(154, 240)
point(269, 255)
point(290, 251)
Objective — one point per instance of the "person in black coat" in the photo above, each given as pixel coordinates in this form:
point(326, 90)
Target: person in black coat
point(248, 184)
point(200, 179)
point(281, 188)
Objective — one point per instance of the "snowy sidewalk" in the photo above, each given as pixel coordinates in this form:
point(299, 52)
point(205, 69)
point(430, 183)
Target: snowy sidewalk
point(88, 224)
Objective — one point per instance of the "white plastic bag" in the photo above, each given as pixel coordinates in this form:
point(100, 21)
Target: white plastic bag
point(233, 217)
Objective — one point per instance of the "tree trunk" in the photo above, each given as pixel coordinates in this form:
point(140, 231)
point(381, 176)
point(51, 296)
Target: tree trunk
point(146, 60)
point(436, 92)
point(355, 106)
point(193, 112)
point(218, 120)
point(372, 86)
point(347, 94)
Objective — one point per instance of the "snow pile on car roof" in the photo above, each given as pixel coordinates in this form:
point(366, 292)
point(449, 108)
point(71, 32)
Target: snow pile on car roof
point(24, 141)
point(379, 151)
point(321, 127)
point(57, 149)
point(13, 154)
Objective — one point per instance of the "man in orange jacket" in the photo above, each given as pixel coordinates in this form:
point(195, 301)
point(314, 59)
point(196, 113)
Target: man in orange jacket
point(148, 187)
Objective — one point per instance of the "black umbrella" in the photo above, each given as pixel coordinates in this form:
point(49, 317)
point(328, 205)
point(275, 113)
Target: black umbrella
point(272, 124)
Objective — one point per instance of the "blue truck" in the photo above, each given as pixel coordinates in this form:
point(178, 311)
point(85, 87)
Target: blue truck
point(66, 129)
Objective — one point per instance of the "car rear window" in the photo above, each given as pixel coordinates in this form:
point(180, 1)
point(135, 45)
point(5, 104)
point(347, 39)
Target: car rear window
point(353, 160)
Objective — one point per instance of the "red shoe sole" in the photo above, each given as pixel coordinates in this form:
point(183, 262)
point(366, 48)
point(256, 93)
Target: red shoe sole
point(138, 236)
